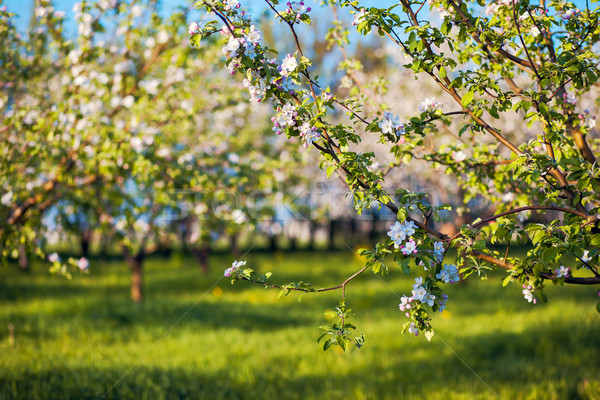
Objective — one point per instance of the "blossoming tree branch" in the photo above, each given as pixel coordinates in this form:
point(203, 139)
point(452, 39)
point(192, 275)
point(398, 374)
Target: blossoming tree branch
point(504, 59)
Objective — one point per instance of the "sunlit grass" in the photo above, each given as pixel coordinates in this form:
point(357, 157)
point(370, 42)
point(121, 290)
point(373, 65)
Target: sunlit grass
point(76, 339)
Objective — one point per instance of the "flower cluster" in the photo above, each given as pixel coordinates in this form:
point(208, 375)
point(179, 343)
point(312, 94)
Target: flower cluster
point(399, 232)
point(570, 99)
point(193, 28)
point(285, 118)
point(391, 124)
point(308, 133)
point(430, 105)
point(528, 293)
point(231, 4)
point(236, 46)
point(562, 272)
point(296, 10)
point(234, 267)
point(421, 294)
point(359, 17)
point(588, 120)
point(448, 274)
point(409, 247)
point(288, 66)
point(257, 87)
point(572, 13)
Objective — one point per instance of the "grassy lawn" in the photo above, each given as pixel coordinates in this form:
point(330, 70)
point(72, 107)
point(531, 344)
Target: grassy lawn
point(83, 338)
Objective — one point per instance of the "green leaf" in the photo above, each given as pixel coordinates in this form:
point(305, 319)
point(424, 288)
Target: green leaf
point(443, 73)
point(598, 307)
point(467, 99)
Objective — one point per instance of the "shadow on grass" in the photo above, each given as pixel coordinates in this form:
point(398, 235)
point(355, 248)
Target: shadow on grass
point(545, 361)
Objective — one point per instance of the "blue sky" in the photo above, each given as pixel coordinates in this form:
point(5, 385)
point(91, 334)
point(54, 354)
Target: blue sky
point(23, 8)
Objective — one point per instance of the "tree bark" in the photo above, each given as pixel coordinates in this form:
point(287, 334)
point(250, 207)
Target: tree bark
point(137, 277)
point(312, 231)
point(84, 241)
point(201, 254)
point(235, 249)
point(273, 243)
point(332, 228)
point(23, 258)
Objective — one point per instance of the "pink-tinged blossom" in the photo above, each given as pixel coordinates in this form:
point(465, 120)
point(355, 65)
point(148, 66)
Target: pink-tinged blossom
point(562, 272)
point(53, 258)
point(309, 134)
point(253, 35)
point(410, 247)
point(231, 47)
point(405, 303)
point(288, 65)
point(568, 14)
point(286, 118)
point(234, 267)
point(590, 122)
point(528, 294)
point(297, 9)
point(570, 99)
point(359, 17)
point(459, 156)
point(193, 28)
point(83, 264)
point(230, 4)
point(429, 105)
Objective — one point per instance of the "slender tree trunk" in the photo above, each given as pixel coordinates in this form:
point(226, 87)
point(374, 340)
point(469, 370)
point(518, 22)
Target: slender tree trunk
point(273, 243)
point(312, 230)
point(373, 233)
point(23, 258)
point(201, 254)
point(137, 278)
point(332, 228)
point(84, 241)
point(235, 249)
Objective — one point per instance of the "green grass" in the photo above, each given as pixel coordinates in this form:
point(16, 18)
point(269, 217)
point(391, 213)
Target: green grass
point(78, 339)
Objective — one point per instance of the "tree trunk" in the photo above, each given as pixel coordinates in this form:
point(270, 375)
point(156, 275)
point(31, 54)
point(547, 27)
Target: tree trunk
point(23, 258)
point(201, 254)
point(373, 233)
point(273, 243)
point(293, 243)
point(137, 279)
point(235, 249)
point(312, 231)
point(84, 241)
point(332, 228)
